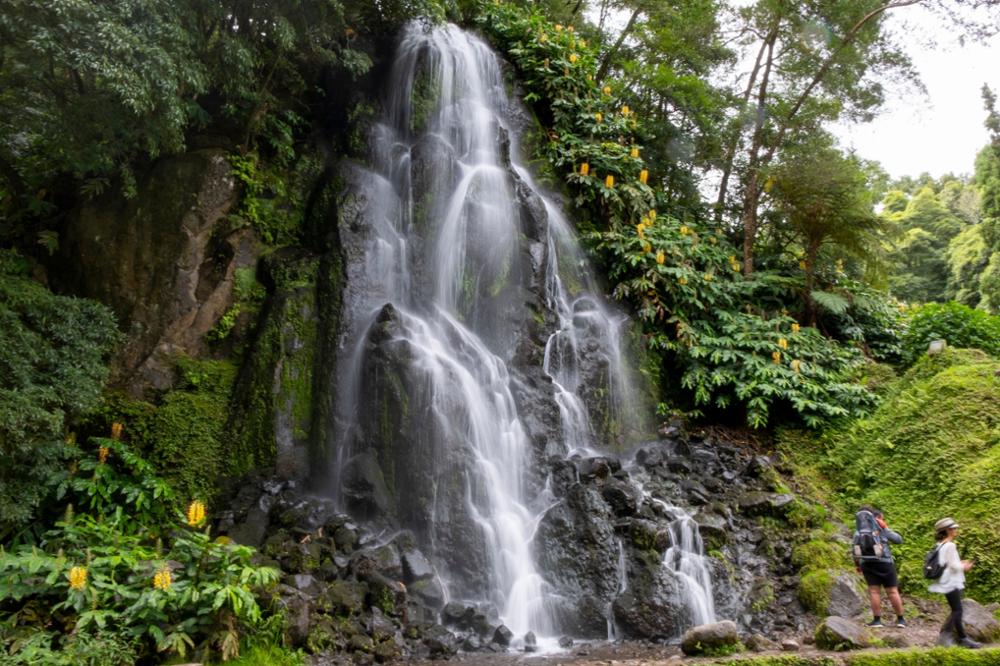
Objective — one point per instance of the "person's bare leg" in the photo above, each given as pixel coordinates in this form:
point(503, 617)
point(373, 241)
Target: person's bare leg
point(895, 600)
point(876, 600)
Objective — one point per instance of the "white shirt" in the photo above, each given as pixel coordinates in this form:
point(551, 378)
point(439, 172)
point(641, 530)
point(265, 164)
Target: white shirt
point(953, 577)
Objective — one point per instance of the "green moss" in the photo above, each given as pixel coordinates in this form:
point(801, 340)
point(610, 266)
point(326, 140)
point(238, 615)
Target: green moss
point(271, 655)
point(932, 657)
point(911, 657)
point(277, 378)
point(821, 554)
point(929, 451)
point(814, 589)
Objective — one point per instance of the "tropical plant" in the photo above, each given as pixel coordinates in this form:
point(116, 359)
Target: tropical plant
point(133, 573)
point(53, 353)
point(957, 324)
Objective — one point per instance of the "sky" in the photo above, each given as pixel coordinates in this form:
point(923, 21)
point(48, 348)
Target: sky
point(942, 131)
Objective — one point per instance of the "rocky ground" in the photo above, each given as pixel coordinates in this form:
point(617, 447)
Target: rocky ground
point(925, 618)
point(365, 592)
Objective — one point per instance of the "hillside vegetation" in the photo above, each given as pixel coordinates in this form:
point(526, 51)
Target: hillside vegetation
point(928, 451)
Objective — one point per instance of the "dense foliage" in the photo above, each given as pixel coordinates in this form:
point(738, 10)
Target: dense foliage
point(89, 89)
point(956, 324)
point(730, 337)
point(125, 574)
point(53, 364)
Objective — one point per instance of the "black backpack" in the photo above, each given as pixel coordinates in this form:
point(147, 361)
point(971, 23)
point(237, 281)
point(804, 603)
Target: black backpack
point(932, 564)
point(869, 545)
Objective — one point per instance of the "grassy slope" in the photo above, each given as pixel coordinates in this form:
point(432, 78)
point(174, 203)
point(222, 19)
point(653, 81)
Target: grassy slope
point(929, 451)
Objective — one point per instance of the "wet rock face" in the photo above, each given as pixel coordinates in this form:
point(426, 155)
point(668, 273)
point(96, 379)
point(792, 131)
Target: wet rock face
point(347, 594)
point(162, 260)
point(576, 546)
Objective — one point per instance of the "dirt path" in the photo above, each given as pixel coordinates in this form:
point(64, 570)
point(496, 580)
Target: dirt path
point(924, 618)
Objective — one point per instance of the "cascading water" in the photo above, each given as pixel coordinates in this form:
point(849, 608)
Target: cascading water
point(686, 559)
point(453, 260)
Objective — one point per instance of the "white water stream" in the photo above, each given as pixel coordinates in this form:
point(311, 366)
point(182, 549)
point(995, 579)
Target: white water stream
point(444, 248)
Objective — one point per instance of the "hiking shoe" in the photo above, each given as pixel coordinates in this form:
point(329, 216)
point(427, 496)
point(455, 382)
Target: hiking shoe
point(901, 624)
point(875, 623)
point(969, 643)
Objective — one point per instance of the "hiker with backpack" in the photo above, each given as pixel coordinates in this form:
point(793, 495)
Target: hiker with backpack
point(945, 566)
point(873, 559)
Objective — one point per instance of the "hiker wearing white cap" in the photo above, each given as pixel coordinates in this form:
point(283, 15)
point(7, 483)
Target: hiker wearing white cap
point(951, 583)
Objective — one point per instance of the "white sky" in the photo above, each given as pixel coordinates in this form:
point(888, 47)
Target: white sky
point(941, 131)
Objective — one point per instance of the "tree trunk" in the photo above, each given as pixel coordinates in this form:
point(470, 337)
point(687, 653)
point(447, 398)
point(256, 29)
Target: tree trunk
point(609, 56)
point(730, 155)
point(751, 192)
point(812, 251)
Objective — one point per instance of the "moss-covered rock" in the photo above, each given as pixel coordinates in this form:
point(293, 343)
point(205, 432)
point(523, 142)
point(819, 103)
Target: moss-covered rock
point(839, 634)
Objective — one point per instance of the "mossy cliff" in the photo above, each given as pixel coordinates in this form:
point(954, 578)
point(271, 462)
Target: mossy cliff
point(929, 451)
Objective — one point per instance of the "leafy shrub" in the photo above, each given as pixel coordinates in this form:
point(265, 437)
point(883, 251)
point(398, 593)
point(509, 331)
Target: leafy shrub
point(52, 368)
point(958, 324)
point(131, 577)
point(728, 356)
point(871, 318)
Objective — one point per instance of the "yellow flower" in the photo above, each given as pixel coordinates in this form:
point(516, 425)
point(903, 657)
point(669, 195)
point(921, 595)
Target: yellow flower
point(711, 239)
point(607, 90)
point(569, 29)
point(796, 365)
point(802, 265)
point(783, 343)
point(609, 181)
point(584, 168)
point(599, 116)
point(652, 215)
point(796, 328)
point(572, 57)
point(102, 454)
point(639, 229)
point(543, 38)
point(78, 578)
point(660, 257)
point(776, 357)
point(644, 176)
point(162, 579)
point(684, 230)
point(647, 248)
point(195, 513)
point(116, 431)
point(558, 27)
point(590, 77)
point(625, 111)
point(635, 151)
point(682, 280)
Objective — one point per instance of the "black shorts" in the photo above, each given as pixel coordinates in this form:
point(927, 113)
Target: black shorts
point(880, 572)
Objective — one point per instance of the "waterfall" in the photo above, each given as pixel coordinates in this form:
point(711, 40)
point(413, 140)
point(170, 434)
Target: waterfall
point(686, 558)
point(455, 260)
